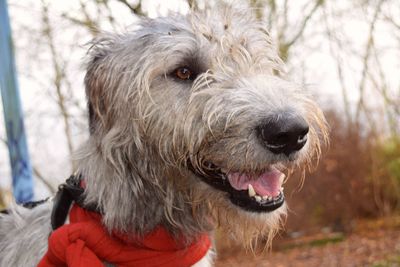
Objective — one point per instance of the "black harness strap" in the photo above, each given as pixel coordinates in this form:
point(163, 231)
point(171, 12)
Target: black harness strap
point(4, 212)
point(70, 191)
point(28, 205)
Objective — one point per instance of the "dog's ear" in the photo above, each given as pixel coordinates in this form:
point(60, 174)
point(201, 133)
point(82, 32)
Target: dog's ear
point(97, 82)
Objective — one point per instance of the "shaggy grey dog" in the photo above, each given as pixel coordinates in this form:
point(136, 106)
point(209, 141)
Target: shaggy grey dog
point(193, 125)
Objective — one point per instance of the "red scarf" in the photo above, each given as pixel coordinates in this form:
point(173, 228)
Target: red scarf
point(85, 242)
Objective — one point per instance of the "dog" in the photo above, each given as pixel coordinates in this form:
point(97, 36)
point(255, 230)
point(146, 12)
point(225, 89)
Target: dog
point(193, 125)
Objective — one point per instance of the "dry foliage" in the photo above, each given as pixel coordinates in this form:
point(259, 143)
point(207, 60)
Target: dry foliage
point(358, 177)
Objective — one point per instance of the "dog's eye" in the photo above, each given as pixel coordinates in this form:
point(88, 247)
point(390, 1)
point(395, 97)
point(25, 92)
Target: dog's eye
point(184, 73)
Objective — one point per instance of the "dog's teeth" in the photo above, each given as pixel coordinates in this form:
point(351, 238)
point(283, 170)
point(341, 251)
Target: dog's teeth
point(265, 197)
point(252, 193)
point(258, 198)
point(282, 188)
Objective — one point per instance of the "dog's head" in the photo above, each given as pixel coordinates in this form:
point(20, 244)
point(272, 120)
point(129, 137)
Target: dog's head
point(195, 115)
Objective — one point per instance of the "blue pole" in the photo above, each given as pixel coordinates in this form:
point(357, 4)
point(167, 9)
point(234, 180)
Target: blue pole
point(16, 140)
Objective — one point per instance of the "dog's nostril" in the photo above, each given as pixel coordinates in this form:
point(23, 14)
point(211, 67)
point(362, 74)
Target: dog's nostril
point(279, 139)
point(285, 133)
point(305, 131)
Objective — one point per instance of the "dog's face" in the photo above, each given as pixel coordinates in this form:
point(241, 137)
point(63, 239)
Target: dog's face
point(202, 101)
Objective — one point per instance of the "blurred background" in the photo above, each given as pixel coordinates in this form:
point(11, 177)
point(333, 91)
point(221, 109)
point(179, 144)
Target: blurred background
point(347, 53)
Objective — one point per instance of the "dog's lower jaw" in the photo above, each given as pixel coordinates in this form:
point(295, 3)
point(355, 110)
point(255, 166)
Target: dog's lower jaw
point(258, 226)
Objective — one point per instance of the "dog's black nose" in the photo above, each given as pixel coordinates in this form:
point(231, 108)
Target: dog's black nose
point(284, 133)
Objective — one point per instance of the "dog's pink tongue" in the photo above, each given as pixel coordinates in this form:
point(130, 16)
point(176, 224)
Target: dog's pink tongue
point(267, 184)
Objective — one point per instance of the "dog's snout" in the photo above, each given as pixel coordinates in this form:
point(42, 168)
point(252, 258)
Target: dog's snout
point(283, 133)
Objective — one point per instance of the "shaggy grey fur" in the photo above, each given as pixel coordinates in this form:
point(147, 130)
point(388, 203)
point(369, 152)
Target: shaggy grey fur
point(147, 125)
point(23, 236)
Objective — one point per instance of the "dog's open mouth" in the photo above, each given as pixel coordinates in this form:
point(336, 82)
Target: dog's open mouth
point(252, 192)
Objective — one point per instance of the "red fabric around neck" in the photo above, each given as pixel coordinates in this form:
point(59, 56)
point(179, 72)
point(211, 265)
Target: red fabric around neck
point(85, 242)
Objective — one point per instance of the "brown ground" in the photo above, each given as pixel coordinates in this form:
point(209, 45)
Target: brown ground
point(372, 244)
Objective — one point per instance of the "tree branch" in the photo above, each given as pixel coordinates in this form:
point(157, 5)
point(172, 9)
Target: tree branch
point(284, 45)
point(370, 41)
point(135, 10)
point(58, 79)
point(339, 67)
point(40, 177)
point(303, 26)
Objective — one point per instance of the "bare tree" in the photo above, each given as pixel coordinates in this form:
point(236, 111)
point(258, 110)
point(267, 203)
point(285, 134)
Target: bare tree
point(59, 77)
point(368, 50)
